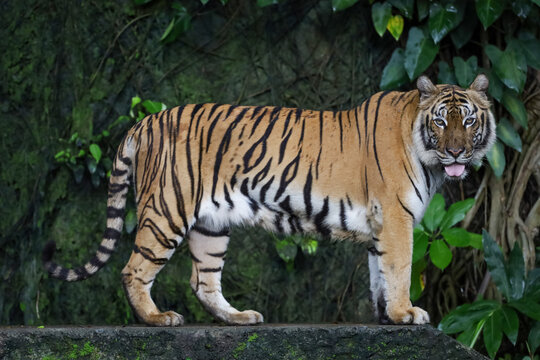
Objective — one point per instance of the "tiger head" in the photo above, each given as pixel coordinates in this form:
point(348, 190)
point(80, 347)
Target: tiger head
point(454, 128)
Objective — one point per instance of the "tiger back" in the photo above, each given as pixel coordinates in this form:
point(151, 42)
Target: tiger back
point(365, 174)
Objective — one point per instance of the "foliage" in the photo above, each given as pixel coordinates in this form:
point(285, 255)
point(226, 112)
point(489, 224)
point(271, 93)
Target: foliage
point(287, 247)
point(493, 318)
point(433, 235)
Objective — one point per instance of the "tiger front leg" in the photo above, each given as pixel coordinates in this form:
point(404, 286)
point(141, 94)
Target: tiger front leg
point(208, 249)
point(390, 267)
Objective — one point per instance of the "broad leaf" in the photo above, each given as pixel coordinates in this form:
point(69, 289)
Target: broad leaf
point(443, 17)
point(440, 254)
point(534, 337)
point(380, 14)
point(420, 52)
point(456, 212)
point(530, 47)
point(515, 270)
point(496, 87)
point(495, 263)
point(395, 26)
point(286, 249)
point(466, 71)
point(469, 336)
point(420, 244)
point(475, 240)
point(532, 284)
point(510, 65)
point(446, 74)
point(95, 150)
point(394, 74)
point(130, 223)
point(496, 159)
point(465, 316)
point(457, 237)
point(405, 6)
point(508, 135)
point(489, 10)
point(515, 107)
point(463, 33)
point(153, 107)
point(91, 164)
point(434, 213)
point(337, 5)
point(527, 306)
point(178, 25)
point(493, 334)
point(510, 322)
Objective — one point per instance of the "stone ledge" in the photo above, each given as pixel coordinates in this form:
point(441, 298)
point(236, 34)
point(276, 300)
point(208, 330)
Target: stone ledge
point(272, 341)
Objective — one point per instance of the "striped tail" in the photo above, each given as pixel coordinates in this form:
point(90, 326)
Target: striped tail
point(116, 204)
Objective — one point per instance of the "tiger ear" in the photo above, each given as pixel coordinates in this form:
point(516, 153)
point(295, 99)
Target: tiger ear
point(480, 83)
point(426, 88)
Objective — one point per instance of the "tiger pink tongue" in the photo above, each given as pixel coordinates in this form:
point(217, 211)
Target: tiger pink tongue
point(454, 169)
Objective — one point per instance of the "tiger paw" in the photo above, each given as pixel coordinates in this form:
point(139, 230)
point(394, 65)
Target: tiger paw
point(247, 317)
point(168, 318)
point(413, 315)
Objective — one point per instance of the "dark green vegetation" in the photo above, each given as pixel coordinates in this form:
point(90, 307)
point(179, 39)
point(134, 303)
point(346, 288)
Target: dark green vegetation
point(70, 71)
point(294, 342)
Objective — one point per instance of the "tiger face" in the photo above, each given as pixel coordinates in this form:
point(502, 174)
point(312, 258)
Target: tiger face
point(454, 128)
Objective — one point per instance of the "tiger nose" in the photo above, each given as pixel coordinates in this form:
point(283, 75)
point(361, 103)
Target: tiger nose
point(455, 152)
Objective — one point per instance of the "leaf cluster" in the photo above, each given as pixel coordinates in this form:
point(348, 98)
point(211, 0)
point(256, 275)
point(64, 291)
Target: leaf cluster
point(493, 318)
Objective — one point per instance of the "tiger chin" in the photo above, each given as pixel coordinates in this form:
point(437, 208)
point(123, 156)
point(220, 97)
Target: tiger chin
point(365, 174)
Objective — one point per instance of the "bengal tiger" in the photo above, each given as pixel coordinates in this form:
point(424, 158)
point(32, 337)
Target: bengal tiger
point(365, 174)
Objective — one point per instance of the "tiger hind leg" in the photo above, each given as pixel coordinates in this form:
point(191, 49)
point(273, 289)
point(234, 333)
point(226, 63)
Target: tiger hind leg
point(152, 250)
point(208, 250)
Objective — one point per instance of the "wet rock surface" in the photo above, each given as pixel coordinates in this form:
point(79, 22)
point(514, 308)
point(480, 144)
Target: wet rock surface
point(325, 341)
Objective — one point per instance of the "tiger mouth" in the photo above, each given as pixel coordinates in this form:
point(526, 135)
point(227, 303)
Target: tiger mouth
point(454, 170)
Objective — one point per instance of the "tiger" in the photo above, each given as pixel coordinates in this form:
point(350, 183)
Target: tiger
point(365, 174)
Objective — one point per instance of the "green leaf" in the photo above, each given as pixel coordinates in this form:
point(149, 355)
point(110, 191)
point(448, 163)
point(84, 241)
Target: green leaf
point(130, 223)
point(95, 179)
point(141, 2)
point(464, 32)
point(515, 107)
point(469, 336)
point(457, 237)
point(380, 14)
point(495, 263)
point(420, 52)
point(337, 5)
point(510, 65)
point(456, 212)
point(493, 335)
point(95, 150)
point(532, 284)
point(510, 322)
point(309, 246)
point(465, 316)
point(530, 47)
point(534, 336)
point(204, 2)
point(434, 213)
point(489, 10)
point(475, 240)
point(496, 159)
point(264, 3)
point(405, 6)
point(91, 164)
point(466, 71)
point(178, 25)
point(417, 283)
point(422, 7)
point(446, 74)
point(508, 135)
point(440, 254)
point(515, 270)
point(527, 306)
point(395, 26)
point(153, 107)
point(286, 249)
point(420, 244)
point(496, 87)
point(135, 101)
point(443, 17)
point(394, 74)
